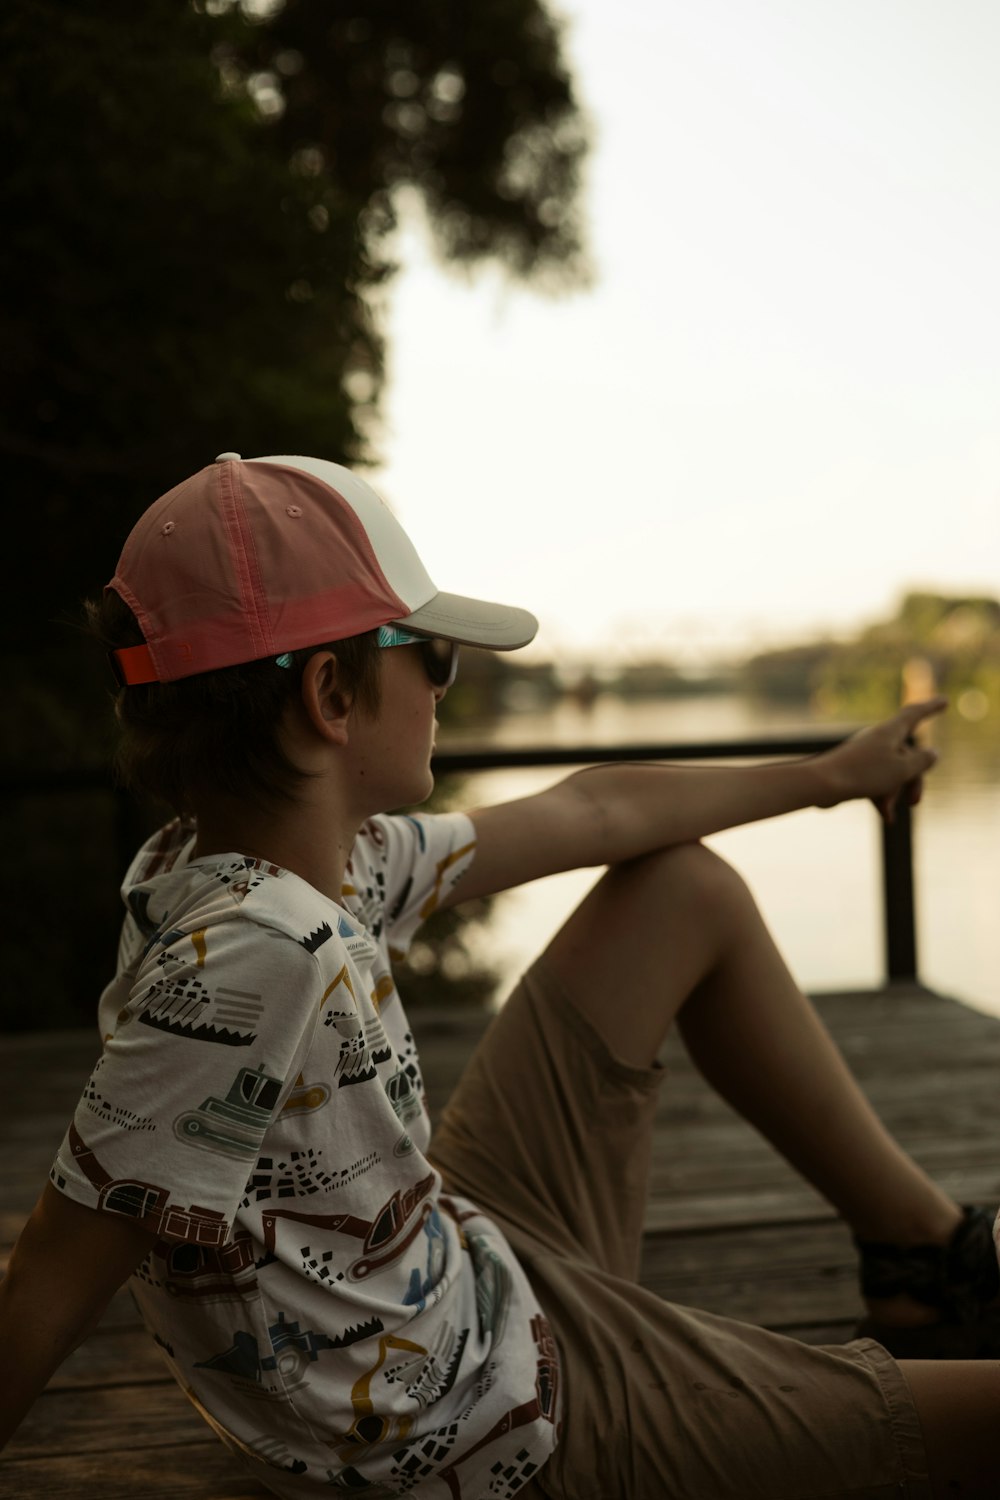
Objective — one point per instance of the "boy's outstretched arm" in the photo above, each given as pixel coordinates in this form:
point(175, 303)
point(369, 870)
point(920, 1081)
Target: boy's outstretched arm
point(64, 1269)
point(607, 814)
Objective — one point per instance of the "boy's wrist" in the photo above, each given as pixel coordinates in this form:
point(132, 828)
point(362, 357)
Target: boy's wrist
point(827, 788)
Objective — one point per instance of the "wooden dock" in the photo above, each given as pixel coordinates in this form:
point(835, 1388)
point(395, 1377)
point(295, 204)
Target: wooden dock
point(729, 1226)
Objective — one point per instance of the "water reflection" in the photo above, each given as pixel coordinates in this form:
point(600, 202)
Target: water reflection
point(817, 875)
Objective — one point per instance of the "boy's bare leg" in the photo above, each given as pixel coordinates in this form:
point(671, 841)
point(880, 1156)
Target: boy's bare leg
point(678, 935)
point(958, 1402)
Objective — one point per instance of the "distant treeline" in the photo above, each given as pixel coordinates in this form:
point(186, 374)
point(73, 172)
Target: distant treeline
point(934, 642)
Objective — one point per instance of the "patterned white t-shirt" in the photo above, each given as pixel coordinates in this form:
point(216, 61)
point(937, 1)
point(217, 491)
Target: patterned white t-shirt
point(336, 1316)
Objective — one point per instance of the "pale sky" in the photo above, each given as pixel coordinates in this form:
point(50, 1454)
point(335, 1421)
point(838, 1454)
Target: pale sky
point(779, 404)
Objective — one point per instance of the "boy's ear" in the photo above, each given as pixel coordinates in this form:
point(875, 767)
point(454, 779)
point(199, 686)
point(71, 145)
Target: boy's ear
point(328, 706)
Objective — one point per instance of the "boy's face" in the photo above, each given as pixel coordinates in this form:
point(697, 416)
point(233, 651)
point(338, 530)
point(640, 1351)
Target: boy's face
point(390, 751)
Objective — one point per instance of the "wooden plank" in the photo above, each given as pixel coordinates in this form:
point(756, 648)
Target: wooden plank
point(200, 1470)
point(739, 1209)
point(116, 1353)
point(112, 1419)
point(779, 1276)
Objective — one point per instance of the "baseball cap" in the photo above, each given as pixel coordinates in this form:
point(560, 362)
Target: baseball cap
point(251, 558)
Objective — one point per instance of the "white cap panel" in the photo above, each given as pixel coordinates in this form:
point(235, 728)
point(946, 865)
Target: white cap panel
point(397, 556)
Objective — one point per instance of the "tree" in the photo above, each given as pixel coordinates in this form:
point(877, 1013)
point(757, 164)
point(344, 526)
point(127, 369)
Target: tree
point(471, 104)
point(198, 209)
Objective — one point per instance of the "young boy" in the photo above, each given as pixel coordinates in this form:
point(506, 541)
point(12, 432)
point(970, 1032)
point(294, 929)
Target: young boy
point(356, 1307)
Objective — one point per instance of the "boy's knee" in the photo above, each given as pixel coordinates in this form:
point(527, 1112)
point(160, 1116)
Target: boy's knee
point(667, 916)
point(684, 888)
point(690, 874)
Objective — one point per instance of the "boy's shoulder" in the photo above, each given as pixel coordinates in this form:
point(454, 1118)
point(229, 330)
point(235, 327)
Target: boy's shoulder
point(166, 890)
point(398, 867)
point(405, 862)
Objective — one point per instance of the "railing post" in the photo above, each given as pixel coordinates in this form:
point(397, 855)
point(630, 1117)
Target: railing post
point(900, 915)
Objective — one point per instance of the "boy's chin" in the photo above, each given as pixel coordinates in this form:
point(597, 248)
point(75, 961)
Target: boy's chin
point(414, 793)
point(427, 787)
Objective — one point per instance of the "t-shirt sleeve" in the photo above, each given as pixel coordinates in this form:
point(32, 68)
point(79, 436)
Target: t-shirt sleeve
point(204, 1053)
point(424, 855)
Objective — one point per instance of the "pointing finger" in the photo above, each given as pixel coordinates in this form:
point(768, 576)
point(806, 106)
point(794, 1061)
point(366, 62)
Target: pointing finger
point(915, 713)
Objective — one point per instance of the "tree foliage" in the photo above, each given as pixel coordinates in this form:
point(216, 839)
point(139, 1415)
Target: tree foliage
point(200, 203)
point(955, 640)
point(198, 208)
point(470, 104)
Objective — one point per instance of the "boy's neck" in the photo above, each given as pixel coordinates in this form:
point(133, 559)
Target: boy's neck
point(308, 840)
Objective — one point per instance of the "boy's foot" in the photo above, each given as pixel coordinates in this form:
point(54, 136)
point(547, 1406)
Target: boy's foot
point(948, 1295)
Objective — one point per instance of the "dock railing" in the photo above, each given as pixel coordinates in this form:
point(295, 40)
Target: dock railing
point(899, 912)
point(131, 824)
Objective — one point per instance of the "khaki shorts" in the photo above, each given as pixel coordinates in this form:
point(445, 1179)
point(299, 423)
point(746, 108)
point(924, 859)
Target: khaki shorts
point(551, 1135)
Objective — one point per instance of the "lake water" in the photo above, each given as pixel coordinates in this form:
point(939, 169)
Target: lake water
point(816, 874)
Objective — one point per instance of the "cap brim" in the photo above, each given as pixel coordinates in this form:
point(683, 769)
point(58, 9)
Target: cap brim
point(473, 622)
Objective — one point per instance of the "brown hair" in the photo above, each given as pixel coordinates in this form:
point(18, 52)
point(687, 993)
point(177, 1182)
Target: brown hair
point(218, 732)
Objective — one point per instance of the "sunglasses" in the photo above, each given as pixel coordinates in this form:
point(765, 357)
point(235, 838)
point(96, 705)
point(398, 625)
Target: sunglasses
point(440, 657)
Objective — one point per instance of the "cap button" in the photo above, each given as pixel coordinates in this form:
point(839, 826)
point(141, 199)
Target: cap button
point(224, 457)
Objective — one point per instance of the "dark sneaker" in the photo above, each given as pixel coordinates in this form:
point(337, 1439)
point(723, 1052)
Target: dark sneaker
point(960, 1280)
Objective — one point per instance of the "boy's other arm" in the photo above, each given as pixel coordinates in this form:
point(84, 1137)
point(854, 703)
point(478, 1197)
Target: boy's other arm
point(64, 1269)
point(607, 814)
